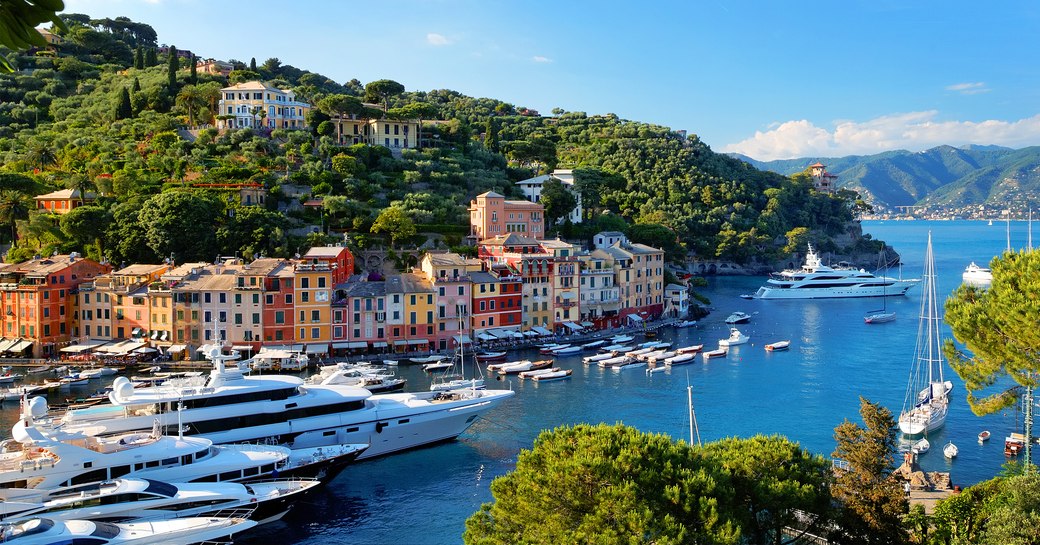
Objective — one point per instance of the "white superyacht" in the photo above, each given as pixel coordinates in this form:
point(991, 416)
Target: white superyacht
point(230, 407)
point(818, 281)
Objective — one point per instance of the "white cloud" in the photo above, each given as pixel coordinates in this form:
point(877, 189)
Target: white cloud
point(539, 58)
point(437, 39)
point(913, 131)
point(968, 88)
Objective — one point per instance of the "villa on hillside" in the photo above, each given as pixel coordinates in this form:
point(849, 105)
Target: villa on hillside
point(390, 133)
point(532, 189)
point(492, 215)
point(823, 181)
point(63, 201)
point(256, 104)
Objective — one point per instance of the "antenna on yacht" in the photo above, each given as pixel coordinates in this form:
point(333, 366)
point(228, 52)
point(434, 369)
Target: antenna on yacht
point(180, 426)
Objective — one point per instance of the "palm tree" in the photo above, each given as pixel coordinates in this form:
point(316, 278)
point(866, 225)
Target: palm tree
point(39, 155)
point(14, 205)
point(191, 98)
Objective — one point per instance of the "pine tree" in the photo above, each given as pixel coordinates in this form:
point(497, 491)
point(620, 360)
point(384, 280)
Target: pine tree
point(138, 58)
point(123, 109)
point(150, 58)
point(194, 77)
point(172, 64)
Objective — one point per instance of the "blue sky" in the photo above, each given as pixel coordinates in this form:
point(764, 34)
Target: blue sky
point(766, 78)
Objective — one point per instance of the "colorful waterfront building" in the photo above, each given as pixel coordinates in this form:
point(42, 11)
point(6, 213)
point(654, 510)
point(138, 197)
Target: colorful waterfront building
point(492, 215)
point(639, 273)
point(37, 298)
point(566, 284)
point(525, 258)
point(359, 315)
point(450, 274)
point(599, 300)
point(413, 296)
point(313, 302)
point(339, 259)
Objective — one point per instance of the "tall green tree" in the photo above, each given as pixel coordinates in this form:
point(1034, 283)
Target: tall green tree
point(778, 486)
point(1000, 341)
point(193, 76)
point(18, 22)
point(252, 64)
point(607, 485)
point(139, 58)
point(491, 134)
point(123, 108)
point(395, 222)
point(872, 504)
point(557, 200)
point(418, 111)
point(85, 227)
point(172, 65)
point(171, 223)
point(381, 91)
point(39, 155)
point(150, 57)
point(14, 206)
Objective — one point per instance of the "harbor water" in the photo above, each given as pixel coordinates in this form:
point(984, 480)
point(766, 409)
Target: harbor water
point(424, 496)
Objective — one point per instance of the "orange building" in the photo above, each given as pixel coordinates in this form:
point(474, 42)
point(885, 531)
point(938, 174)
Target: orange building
point(313, 305)
point(492, 215)
point(61, 202)
point(36, 302)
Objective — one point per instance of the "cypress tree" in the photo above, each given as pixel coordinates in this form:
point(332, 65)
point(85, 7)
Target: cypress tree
point(150, 58)
point(172, 64)
point(252, 64)
point(123, 109)
point(194, 77)
point(138, 58)
point(137, 85)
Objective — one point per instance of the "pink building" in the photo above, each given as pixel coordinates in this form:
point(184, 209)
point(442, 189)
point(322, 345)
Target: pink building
point(492, 215)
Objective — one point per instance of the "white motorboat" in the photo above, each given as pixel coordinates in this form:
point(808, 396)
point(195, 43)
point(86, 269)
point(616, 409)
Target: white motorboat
point(593, 345)
point(950, 450)
point(268, 359)
point(531, 374)
point(567, 350)
point(372, 381)
point(525, 366)
point(879, 317)
point(927, 397)
point(984, 436)
point(391, 363)
point(738, 318)
point(920, 447)
point(611, 362)
point(975, 275)
point(597, 358)
point(685, 324)
point(428, 359)
point(639, 352)
point(436, 365)
point(817, 281)
point(555, 375)
point(146, 499)
point(735, 338)
point(660, 357)
point(632, 363)
point(45, 531)
point(621, 339)
point(778, 346)
point(230, 407)
point(617, 348)
point(494, 367)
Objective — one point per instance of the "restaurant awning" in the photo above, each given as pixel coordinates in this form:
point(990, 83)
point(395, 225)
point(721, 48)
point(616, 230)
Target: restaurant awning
point(485, 337)
point(531, 333)
point(243, 347)
point(350, 345)
point(7, 343)
point(400, 342)
point(572, 326)
point(165, 336)
point(286, 347)
point(155, 335)
point(89, 344)
point(541, 330)
point(379, 344)
point(587, 324)
point(635, 318)
point(318, 348)
point(176, 348)
point(144, 350)
point(19, 346)
point(462, 339)
point(415, 342)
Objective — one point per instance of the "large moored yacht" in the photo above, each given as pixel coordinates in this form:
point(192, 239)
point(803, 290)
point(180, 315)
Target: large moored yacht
point(230, 407)
point(818, 281)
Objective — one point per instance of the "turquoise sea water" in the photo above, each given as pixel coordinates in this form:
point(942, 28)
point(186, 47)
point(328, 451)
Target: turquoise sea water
point(424, 496)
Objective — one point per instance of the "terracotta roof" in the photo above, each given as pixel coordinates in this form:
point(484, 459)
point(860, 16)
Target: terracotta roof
point(67, 194)
point(490, 194)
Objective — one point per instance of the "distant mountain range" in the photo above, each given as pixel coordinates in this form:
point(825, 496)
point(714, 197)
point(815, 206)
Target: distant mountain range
point(941, 177)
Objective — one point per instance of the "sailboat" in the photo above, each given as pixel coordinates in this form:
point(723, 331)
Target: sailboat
point(927, 394)
point(458, 381)
point(881, 315)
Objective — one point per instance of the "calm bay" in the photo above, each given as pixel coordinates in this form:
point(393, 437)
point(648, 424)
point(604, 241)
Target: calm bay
point(424, 496)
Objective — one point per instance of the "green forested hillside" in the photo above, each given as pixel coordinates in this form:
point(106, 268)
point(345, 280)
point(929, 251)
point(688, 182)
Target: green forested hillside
point(942, 177)
point(104, 113)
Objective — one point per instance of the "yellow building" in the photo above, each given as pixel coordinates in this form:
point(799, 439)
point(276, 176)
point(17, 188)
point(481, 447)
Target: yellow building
point(416, 297)
point(312, 294)
point(389, 133)
point(257, 104)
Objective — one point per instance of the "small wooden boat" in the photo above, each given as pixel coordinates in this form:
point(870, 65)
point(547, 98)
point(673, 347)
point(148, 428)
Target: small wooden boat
point(528, 366)
point(490, 356)
point(691, 349)
point(1014, 444)
point(537, 372)
point(567, 350)
point(714, 353)
point(427, 359)
point(496, 366)
point(681, 359)
point(984, 436)
point(555, 375)
point(593, 345)
point(632, 363)
point(686, 323)
point(950, 450)
point(433, 366)
point(391, 363)
point(650, 334)
point(611, 362)
point(777, 346)
point(550, 348)
point(879, 317)
point(921, 447)
point(618, 339)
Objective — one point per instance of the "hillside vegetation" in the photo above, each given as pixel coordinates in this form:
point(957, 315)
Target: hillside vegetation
point(104, 113)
